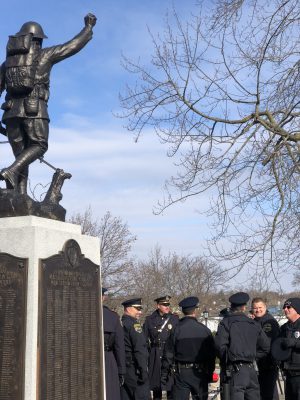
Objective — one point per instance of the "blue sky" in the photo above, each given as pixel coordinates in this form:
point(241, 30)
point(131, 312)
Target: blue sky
point(110, 171)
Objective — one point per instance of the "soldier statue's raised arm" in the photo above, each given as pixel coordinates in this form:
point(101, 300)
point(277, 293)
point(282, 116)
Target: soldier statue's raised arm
point(25, 76)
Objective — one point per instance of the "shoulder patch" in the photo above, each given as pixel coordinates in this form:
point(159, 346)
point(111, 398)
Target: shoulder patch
point(138, 328)
point(267, 328)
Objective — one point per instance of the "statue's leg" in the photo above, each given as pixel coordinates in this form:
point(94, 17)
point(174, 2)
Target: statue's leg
point(17, 140)
point(35, 144)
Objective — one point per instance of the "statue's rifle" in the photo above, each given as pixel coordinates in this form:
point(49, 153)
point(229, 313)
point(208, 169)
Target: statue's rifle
point(42, 160)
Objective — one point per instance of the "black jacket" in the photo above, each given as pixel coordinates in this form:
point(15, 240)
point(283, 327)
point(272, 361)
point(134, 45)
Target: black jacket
point(240, 338)
point(190, 342)
point(292, 330)
point(271, 328)
point(136, 352)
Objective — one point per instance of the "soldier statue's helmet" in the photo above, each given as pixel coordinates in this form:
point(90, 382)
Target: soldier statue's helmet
point(34, 28)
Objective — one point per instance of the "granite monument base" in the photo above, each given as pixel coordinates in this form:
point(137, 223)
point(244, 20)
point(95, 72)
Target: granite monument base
point(58, 268)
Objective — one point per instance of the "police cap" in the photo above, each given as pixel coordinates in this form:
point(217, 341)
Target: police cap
point(239, 299)
point(104, 291)
point(293, 302)
point(224, 312)
point(164, 300)
point(137, 302)
point(189, 303)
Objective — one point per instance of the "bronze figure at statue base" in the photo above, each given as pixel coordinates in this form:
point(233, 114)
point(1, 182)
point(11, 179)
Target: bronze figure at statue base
point(15, 204)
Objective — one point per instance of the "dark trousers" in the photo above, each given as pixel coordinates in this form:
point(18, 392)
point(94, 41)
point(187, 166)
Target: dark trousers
point(292, 387)
point(139, 392)
point(190, 381)
point(244, 384)
point(157, 394)
point(267, 381)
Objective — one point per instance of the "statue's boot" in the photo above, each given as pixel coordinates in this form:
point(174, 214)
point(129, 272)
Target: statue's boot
point(14, 174)
point(10, 178)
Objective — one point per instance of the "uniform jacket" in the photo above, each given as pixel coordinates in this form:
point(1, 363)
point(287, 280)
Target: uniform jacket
point(240, 338)
point(114, 353)
point(271, 328)
point(45, 59)
point(135, 351)
point(157, 330)
point(190, 342)
point(292, 330)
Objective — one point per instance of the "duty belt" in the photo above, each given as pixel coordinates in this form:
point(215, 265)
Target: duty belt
point(187, 365)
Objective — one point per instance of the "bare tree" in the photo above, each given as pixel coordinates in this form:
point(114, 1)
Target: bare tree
point(223, 91)
point(296, 281)
point(115, 245)
point(177, 276)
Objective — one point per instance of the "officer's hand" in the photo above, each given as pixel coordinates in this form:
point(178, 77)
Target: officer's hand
point(121, 380)
point(288, 343)
point(2, 130)
point(163, 380)
point(142, 378)
point(90, 20)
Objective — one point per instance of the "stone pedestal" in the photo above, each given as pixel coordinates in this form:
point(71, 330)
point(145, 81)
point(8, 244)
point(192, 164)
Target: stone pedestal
point(35, 238)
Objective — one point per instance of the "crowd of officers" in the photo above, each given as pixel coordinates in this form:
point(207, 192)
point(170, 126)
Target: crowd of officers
point(178, 355)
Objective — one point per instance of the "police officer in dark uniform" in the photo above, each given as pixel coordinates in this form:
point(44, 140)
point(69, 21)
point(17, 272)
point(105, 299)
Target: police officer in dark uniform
point(239, 341)
point(224, 381)
point(114, 351)
point(289, 339)
point(136, 385)
point(25, 75)
point(157, 328)
point(267, 366)
point(190, 352)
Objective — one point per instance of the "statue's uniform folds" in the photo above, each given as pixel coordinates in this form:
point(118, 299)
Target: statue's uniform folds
point(25, 109)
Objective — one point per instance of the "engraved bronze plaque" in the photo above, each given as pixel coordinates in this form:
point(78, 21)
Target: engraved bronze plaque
point(13, 290)
point(69, 334)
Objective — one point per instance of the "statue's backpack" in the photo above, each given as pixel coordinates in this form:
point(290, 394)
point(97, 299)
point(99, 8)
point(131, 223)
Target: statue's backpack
point(20, 65)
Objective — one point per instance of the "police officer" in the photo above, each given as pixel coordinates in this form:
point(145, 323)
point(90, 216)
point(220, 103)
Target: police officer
point(114, 351)
point(224, 381)
point(136, 385)
point(157, 328)
point(25, 75)
point(289, 339)
point(267, 367)
point(190, 351)
point(239, 341)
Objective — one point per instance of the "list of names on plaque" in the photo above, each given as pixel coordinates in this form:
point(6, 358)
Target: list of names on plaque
point(70, 345)
point(13, 281)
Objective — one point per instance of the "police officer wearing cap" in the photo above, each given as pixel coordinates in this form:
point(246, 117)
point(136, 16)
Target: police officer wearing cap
point(114, 351)
point(287, 348)
point(25, 75)
point(239, 341)
point(136, 385)
point(267, 366)
point(190, 351)
point(157, 328)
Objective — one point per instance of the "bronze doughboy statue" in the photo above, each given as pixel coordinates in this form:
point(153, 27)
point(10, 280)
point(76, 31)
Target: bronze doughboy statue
point(25, 75)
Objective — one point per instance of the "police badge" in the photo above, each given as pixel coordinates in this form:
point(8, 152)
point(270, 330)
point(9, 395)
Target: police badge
point(138, 328)
point(170, 326)
point(297, 334)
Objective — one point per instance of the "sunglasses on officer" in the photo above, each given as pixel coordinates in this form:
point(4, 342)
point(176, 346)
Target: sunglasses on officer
point(286, 306)
point(139, 308)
